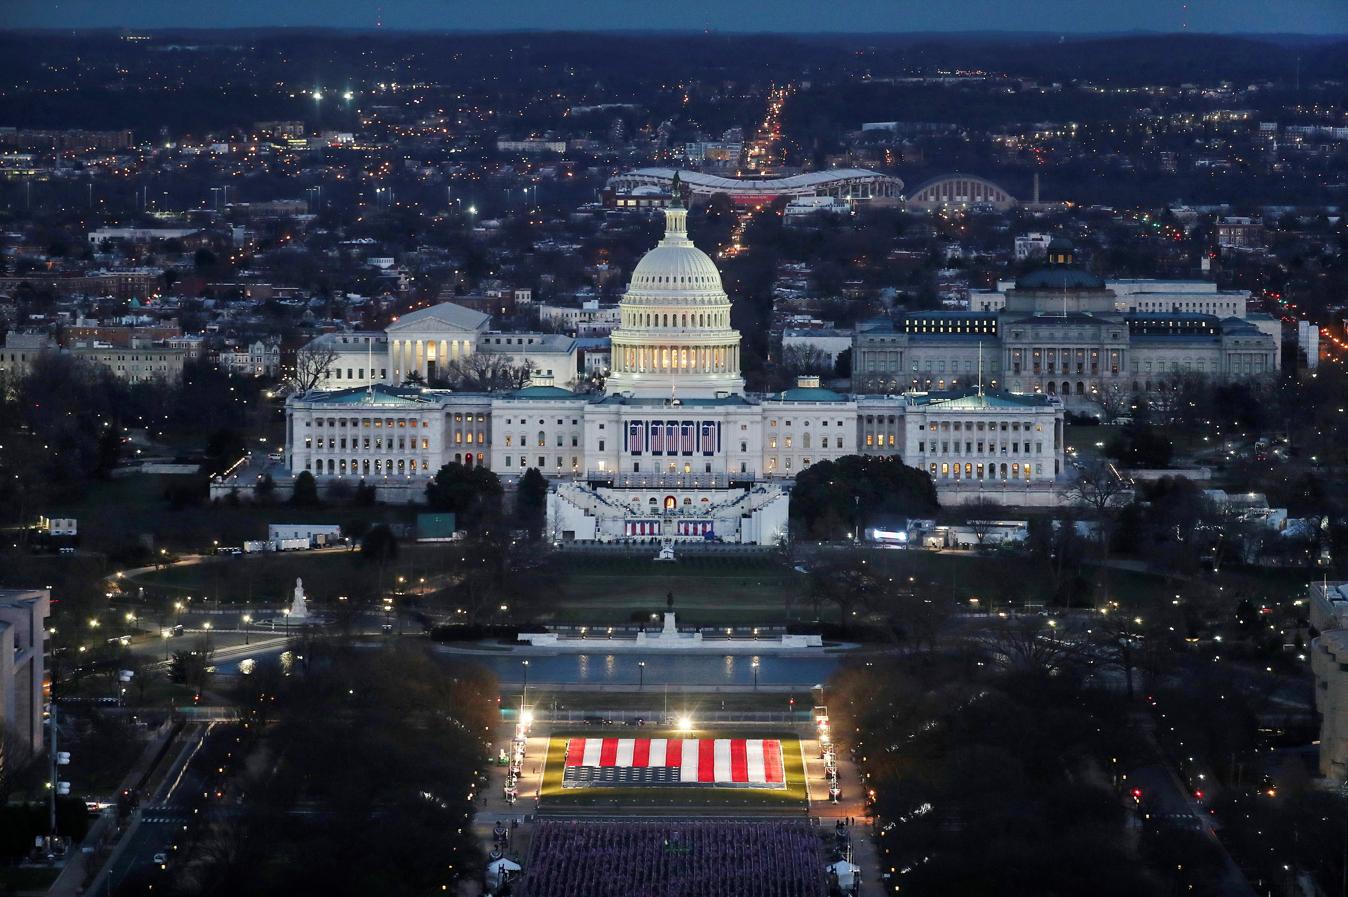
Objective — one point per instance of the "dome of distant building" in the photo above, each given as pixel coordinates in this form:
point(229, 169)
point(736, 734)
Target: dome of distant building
point(1059, 278)
point(1061, 272)
point(674, 335)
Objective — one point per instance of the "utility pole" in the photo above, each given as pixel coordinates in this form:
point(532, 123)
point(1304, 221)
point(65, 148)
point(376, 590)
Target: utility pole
point(51, 811)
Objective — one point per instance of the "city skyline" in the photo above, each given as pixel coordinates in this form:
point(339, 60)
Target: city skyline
point(664, 458)
point(1312, 17)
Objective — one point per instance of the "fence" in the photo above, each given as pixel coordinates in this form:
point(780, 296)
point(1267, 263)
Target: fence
point(657, 716)
point(648, 548)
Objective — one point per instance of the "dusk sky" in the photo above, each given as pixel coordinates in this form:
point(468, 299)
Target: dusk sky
point(1299, 16)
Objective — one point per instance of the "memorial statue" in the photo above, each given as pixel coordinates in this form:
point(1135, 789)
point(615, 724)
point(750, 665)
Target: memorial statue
point(299, 607)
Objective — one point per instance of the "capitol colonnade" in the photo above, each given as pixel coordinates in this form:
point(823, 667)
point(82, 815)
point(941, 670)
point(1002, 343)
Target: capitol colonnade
point(695, 359)
point(426, 356)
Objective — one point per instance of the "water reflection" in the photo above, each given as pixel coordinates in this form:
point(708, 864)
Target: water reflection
point(622, 669)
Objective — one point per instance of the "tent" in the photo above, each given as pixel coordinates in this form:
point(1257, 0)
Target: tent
point(846, 872)
point(497, 870)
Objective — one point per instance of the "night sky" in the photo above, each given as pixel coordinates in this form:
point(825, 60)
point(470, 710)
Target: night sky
point(1266, 16)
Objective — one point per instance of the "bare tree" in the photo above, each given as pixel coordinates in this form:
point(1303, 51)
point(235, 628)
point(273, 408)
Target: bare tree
point(311, 365)
point(517, 376)
point(982, 517)
point(484, 372)
point(1032, 644)
point(1099, 487)
point(1179, 396)
point(1114, 399)
point(806, 360)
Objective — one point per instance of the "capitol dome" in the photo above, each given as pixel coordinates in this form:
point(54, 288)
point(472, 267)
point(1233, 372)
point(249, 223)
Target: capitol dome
point(674, 337)
point(676, 264)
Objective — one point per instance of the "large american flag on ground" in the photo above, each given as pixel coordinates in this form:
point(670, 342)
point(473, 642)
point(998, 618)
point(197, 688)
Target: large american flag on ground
point(671, 762)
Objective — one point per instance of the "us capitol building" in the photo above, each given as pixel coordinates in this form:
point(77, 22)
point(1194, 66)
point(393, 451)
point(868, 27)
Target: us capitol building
point(674, 448)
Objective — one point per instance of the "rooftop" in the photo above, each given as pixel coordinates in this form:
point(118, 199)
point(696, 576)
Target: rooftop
point(545, 392)
point(809, 394)
point(765, 185)
point(974, 400)
point(446, 312)
point(1060, 277)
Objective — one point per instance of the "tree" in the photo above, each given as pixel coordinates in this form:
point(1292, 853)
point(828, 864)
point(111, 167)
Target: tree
point(305, 494)
point(473, 494)
point(982, 517)
point(395, 735)
point(1055, 546)
point(365, 494)
point(379, 544)
point(1140, 445)
point(1030, 644)
point(531, 497)
point(834, 498)
point(848, 581)
point(485, 372)
point(312, 362)
point(1114, 399)
point(1098, 487)
point(189, 667)
point(1178, 397)
point(266, 487)
point(800, 360)
point(842, 365)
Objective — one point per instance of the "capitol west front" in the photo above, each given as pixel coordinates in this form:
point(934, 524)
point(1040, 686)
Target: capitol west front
point(674, 448)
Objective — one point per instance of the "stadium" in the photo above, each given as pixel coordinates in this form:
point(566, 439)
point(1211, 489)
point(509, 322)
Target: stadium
point(848, 184)
point(960, 191)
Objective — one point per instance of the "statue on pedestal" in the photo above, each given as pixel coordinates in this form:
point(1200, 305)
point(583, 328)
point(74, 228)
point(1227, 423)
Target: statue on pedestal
point(299, 607)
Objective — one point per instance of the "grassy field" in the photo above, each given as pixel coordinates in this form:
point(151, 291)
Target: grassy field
point(707, 591)
point(27, 878)
point(268, 578)
point(790, 798)
point(114, 514)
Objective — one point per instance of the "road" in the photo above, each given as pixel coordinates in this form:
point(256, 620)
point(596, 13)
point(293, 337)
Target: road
point(164, 813)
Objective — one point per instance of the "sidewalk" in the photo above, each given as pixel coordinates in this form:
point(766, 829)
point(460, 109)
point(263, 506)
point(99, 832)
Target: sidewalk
point(852, 805)
point(83, 866)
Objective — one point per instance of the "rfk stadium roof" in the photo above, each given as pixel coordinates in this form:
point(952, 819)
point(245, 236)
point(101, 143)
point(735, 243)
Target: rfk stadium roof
point(838, 181)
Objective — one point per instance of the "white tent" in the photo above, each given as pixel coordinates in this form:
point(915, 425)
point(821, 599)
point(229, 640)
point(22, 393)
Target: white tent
point(845, 871)
point(498, 869)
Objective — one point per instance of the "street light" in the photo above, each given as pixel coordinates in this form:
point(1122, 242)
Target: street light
point(755, 666)
point(207, 626)
point(247, 619)
point(641, 673)
point(525, 663)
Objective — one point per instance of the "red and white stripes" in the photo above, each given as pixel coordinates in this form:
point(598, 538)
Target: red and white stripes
point(712, 761)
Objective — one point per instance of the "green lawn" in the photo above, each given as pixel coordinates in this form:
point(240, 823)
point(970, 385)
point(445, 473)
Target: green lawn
point(270, 578)
point(114, 514)
point(792, 797)
point(27, 878)
point(707, 591)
